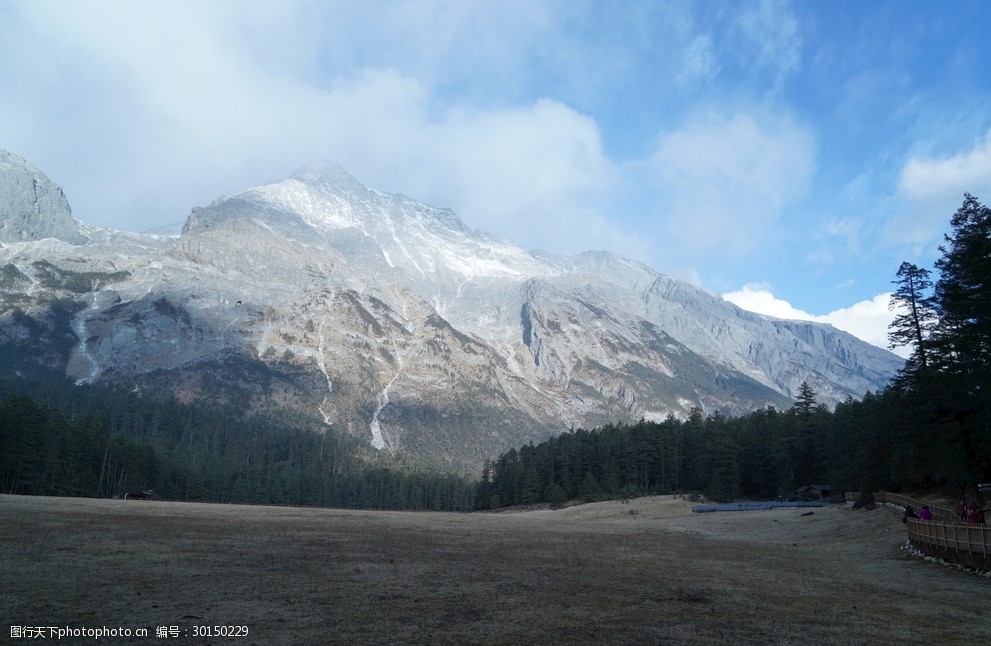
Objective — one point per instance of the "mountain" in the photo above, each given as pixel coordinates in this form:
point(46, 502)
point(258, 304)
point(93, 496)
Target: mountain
point(32, 207)
point(389, 319)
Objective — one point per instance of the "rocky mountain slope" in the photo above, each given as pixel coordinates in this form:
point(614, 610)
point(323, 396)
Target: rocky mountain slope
point(389, 319)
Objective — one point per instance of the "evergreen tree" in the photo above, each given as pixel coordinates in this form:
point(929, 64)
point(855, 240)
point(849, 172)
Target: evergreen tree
point(963, 294)
point(916, 317)
point(806, 404)
point(962, 341)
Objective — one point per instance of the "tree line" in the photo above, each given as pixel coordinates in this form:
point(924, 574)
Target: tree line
point(99, 442)
point(767, 454)
point(929, 429)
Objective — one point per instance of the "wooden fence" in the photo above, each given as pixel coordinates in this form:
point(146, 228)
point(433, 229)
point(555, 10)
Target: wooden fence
point(955, 536)
point(943, 536)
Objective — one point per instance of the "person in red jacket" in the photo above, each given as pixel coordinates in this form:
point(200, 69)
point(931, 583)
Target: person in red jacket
point(974, 515)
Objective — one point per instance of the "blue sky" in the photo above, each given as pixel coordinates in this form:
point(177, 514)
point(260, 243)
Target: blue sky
point(788, 155)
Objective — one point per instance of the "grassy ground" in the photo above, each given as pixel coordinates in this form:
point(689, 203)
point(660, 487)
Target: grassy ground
point(648, 571)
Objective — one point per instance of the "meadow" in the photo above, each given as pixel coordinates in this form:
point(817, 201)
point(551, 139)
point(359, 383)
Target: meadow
point(643, 571)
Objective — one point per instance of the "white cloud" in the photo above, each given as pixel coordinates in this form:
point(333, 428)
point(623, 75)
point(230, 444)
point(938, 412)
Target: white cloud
point(867, 320)
point(726, 179)
point(174, 104)
point(931, 189)
point(535, 170)
point(926, 177)
point(184, 102)
point(757, 297)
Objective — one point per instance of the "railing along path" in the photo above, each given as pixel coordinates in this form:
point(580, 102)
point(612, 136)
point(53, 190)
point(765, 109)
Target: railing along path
point(943, 536)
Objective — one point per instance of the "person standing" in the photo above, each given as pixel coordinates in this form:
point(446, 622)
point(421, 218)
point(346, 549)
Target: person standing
point(961, 510)
point(973, 514)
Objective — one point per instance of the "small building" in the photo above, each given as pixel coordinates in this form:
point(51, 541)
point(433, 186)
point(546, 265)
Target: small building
point(820, 491)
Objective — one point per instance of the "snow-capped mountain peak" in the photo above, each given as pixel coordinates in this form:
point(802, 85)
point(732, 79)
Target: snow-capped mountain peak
point(394, 321)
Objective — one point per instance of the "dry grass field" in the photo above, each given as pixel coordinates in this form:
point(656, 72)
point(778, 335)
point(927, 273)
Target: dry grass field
point(644, 572)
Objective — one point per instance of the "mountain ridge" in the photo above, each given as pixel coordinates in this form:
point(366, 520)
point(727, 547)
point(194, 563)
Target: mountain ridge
point(392, 320)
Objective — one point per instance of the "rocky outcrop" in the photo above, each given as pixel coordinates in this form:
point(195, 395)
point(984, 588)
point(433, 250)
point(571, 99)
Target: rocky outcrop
point(32, 207)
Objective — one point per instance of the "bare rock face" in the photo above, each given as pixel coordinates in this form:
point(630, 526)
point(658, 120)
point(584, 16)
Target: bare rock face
point(391, 320)
point(32, 207)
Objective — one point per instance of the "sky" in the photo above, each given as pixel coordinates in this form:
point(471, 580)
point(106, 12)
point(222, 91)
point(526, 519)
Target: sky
point(787, 155)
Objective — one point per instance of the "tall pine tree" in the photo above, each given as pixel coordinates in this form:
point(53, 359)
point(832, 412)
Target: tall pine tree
point(915, 319)
point(963, 294)
point(961, 347)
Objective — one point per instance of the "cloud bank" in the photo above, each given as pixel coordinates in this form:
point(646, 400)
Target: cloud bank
point(721, 142)
point(867, 320)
